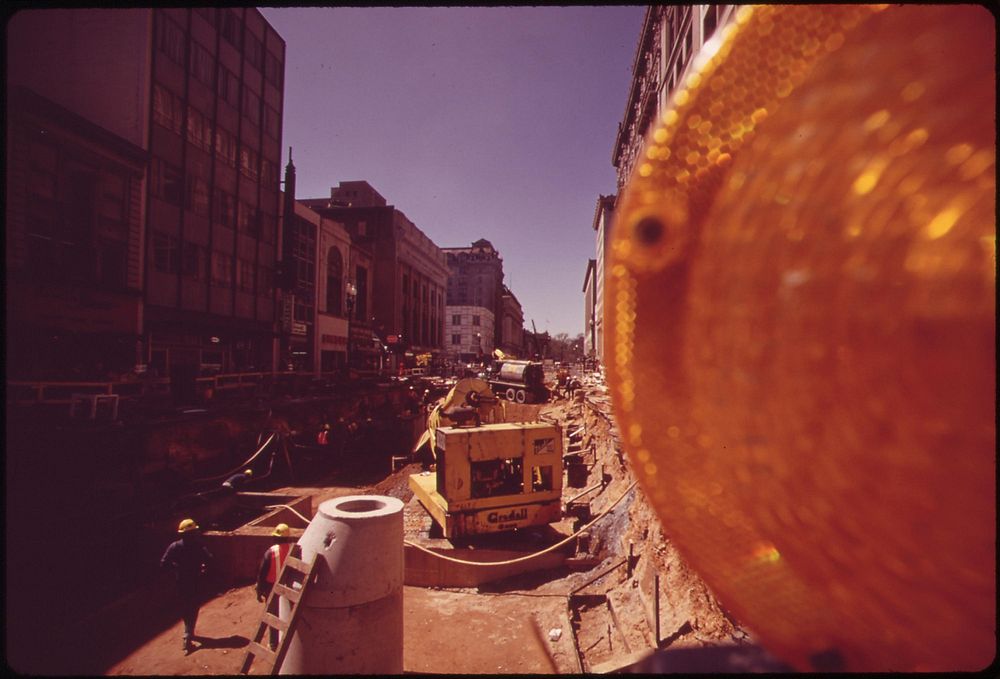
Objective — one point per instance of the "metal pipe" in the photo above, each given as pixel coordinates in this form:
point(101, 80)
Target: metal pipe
point(585, 491)
point(656, 606)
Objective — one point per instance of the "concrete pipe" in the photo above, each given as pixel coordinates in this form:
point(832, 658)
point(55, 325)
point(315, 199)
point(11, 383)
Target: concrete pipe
point(351, 621)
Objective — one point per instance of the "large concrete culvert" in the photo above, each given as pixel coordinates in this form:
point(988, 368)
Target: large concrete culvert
point(351, 621)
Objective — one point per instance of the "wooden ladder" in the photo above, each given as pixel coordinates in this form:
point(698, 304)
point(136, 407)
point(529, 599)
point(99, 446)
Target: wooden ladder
point(292, 584)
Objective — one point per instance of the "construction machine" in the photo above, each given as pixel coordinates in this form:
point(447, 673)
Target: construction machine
point(489, 475)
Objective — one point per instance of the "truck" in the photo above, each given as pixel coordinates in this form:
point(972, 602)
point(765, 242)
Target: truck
point(520, 381)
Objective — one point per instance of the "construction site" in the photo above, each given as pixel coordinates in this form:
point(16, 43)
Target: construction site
point(572, 575)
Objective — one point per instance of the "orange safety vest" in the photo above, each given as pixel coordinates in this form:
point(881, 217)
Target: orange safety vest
point(278, 554)
point(321, 438)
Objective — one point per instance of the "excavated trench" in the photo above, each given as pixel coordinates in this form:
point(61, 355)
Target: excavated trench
point(618, 592)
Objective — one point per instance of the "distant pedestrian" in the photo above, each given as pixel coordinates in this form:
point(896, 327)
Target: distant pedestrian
point(323, 437)
point(237, 481)
point(270, 569)
point(189, 559)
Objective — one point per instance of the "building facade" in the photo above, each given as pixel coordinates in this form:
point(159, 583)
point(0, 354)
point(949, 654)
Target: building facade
point(602, 224)
point(476, 281)
point(511, 325)
point(74, 244)
point(589, 308)
point(407, 275)
point(469, 332)
point(671, 35)
point(200, 91)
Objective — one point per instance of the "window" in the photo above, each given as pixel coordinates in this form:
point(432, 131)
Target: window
point(456, 339)
point(265, 277)
point(168, 110)
point(231, 28)
point(251, 105)
point(222, 268)
point(111, 257)
point(192, 262)
point(225, 208)
point(249, 163)
point(302, 311)
point(199, 129)
point(269, 173)
point(541, 478)
point(268, 226)
point(248, 220)
point(271, 120)
point(272, 69)
point(207, 13)
point(334, 282)
point(202, 64)
point(197, 196)
point(456, 319)
point(170, 39)
point(475, 320)
point(228, 87)
point(244, 276)
point(225, 146)
point(490, 478)
point(111, 207)
point(167, 182)
point(254, 51)
point(164, 253)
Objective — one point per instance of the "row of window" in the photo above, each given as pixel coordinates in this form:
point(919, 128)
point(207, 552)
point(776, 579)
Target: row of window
point(168, 111)
point(456, 319)
point(192, 260)
point(476, 340)
point(193, 194)
point(170, 39)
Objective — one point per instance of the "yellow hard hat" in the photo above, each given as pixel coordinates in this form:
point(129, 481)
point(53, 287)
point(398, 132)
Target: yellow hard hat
point(281, 530)
point(187, 525)
point(248, 472)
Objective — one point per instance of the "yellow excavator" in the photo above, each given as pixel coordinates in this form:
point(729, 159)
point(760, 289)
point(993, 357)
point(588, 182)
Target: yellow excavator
point(489, 474)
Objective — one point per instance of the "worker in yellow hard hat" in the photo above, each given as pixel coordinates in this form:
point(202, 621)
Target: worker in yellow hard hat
point(235, 481)
point(189, 560)
point(270, 569)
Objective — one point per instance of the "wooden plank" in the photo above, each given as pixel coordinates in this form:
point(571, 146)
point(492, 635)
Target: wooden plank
point(261, 651)
point(292, 595)
point(275, 622)
point(296, 564)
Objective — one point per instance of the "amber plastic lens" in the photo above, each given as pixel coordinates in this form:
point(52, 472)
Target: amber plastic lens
point(808, 383)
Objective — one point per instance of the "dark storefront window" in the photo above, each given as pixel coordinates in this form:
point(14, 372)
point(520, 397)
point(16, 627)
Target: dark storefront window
point(164, 253)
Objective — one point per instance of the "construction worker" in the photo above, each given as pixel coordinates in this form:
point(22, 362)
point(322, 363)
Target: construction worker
point(270, 568)
point(234, 482)
point(189, 560)
point(323, 437)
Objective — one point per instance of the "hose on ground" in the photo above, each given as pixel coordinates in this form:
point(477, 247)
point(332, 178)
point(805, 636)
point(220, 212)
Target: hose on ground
point(507, 561)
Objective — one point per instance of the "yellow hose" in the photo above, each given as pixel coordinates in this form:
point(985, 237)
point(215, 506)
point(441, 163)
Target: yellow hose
point(508, 561)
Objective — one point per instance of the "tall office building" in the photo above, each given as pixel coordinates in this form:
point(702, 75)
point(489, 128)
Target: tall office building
point(200, 93)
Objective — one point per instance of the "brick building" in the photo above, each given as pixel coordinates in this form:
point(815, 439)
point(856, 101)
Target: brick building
point(406, 276)
point(200, 92)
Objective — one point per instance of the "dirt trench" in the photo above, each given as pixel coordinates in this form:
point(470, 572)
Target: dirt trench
point(592, 616)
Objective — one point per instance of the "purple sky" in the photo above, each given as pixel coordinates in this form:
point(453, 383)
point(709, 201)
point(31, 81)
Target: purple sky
point(485, 122)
